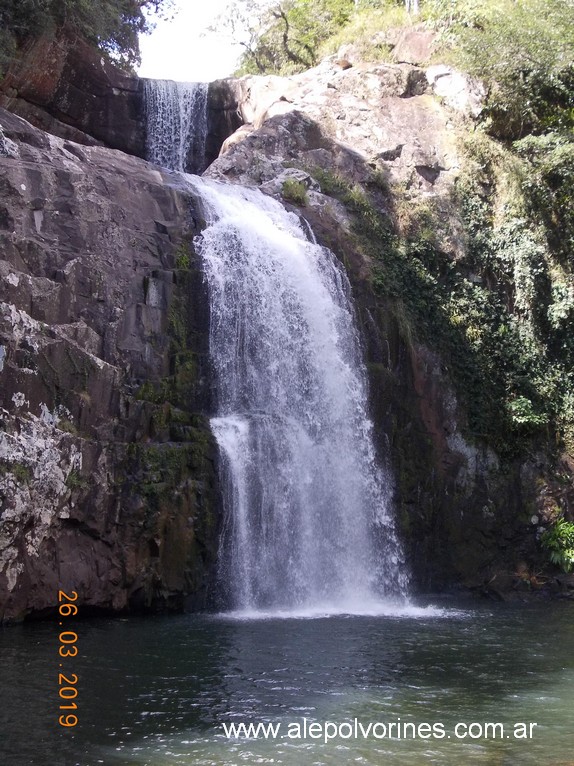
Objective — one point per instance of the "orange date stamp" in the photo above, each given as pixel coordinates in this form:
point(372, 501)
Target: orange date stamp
point(67, 682)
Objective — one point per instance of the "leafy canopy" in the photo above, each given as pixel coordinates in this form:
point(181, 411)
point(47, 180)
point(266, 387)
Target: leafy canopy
point(523, 49)
point(113, 25)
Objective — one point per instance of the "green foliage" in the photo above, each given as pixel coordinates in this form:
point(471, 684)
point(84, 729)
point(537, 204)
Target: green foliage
point(363, 30)
point(288, 35)
point(332, 184)
point(294, 191)
point(559, 542)
point(490, 314)
point(182, 257)
point(21, 473)
point(76, 481)
point(523, 50)
point(522, 412)
point(532, 352)
point(113, 25)
point(452, 16)
point(355, 200)
point(549, 185)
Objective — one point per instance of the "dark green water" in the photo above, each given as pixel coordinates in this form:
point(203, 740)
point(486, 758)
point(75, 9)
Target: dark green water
point(157, 691)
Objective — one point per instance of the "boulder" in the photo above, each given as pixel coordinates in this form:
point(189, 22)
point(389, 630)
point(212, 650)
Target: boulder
point(414, 45)
point(458, 90)
point(384, 112)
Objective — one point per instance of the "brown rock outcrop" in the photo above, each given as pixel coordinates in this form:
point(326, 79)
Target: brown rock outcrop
point(386, 113)
point(413, 45)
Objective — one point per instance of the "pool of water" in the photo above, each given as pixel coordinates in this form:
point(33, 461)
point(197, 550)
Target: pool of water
point(158, 691)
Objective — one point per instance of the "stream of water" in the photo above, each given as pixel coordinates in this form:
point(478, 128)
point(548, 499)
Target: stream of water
point(309, 522)
point(176, 124)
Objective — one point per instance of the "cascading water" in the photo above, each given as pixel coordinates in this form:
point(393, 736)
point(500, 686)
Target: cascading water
point(308, 520)
point(176, 124)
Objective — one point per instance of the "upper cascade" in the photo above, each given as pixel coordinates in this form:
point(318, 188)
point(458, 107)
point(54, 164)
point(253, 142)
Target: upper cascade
point(176, 124)
point(308, 523)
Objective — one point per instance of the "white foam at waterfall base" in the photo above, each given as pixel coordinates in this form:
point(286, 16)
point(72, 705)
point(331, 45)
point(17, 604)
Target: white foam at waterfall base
point(176, 124)
point(309, 526)
point(399, 609)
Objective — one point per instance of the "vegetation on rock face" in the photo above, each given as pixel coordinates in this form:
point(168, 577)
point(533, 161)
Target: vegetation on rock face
point(113, 25)
point(559, 542)
point(522, 50)
point(294, 191)
point(500, 316)
point(516, 247)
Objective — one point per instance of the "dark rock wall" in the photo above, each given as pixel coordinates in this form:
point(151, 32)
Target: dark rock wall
point(64, 86)
point(223, 115)
point(107, 480)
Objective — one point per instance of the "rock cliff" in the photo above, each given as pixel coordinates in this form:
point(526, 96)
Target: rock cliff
point(107, 482)
point(64, 86)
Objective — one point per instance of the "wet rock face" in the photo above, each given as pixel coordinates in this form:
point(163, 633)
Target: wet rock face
point(107, 482)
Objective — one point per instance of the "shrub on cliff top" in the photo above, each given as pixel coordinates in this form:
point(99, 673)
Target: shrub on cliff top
point(558, 540)
point(523, 50)
point(284, 37)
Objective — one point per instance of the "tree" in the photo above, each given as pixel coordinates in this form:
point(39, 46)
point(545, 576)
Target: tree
point(113, 25)
point(285, 37)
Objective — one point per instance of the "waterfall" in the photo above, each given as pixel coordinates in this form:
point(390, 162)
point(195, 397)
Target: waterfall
point(176, 124)
point(308, 522)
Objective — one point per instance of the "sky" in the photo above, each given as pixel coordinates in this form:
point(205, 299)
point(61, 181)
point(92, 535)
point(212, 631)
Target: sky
point(178, 50)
